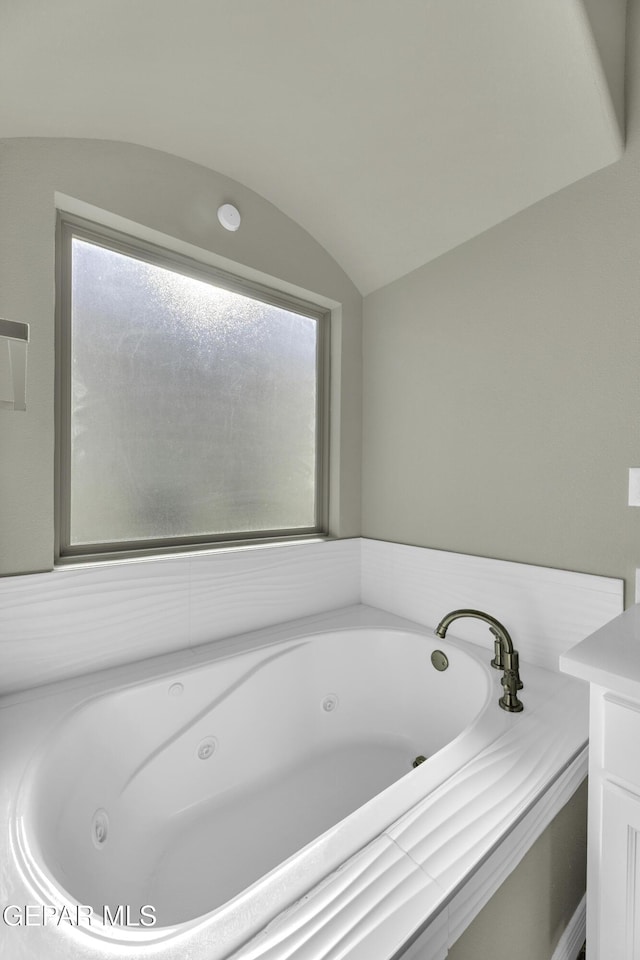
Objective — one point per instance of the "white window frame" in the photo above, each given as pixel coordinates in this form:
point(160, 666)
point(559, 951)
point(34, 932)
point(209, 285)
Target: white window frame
point(70, 226)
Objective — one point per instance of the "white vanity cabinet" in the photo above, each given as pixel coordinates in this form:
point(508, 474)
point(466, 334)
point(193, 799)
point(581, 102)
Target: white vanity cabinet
point(610, 660)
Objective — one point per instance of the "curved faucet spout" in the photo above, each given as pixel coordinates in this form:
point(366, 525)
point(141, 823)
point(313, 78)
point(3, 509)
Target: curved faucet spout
point(497, 629)
point(505, 657)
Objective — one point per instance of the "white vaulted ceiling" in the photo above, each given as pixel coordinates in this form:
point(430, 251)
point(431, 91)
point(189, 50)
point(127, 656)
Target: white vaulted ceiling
point(391, 130)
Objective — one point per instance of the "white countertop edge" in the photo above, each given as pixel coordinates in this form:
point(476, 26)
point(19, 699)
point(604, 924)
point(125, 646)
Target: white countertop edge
point(610, 657)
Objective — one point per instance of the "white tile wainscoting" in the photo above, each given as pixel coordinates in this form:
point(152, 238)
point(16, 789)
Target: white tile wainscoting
point(76, 620)
point(545, 610)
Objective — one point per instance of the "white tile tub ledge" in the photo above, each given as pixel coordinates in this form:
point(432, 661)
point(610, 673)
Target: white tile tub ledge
point(405, 871)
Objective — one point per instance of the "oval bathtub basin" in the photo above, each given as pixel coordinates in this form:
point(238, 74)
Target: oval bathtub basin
point(183, 791)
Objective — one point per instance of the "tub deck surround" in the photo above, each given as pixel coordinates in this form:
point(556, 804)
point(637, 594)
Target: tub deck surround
point(397, 866)
point(465, 837)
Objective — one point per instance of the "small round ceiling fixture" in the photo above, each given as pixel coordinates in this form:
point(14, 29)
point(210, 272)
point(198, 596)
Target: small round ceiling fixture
point(229, 216)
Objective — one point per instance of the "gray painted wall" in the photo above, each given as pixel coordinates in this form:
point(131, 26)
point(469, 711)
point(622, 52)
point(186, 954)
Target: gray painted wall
point(502, 382)
point(179, 199)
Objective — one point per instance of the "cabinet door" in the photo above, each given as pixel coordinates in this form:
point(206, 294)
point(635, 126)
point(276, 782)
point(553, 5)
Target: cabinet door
point(619, 907)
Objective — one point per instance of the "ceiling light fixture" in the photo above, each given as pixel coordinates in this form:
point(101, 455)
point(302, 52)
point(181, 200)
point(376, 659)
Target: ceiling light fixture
point(229, 216)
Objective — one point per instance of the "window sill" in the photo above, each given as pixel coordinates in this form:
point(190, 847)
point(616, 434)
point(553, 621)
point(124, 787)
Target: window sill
point(190, 550)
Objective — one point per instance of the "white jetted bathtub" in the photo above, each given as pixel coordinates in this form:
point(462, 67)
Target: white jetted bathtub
point(189, 809)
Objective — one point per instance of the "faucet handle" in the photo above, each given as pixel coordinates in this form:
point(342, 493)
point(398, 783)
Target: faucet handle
point(497, 662)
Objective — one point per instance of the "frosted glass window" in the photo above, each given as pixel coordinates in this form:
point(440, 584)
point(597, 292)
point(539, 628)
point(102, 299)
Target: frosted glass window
point(193, 409)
